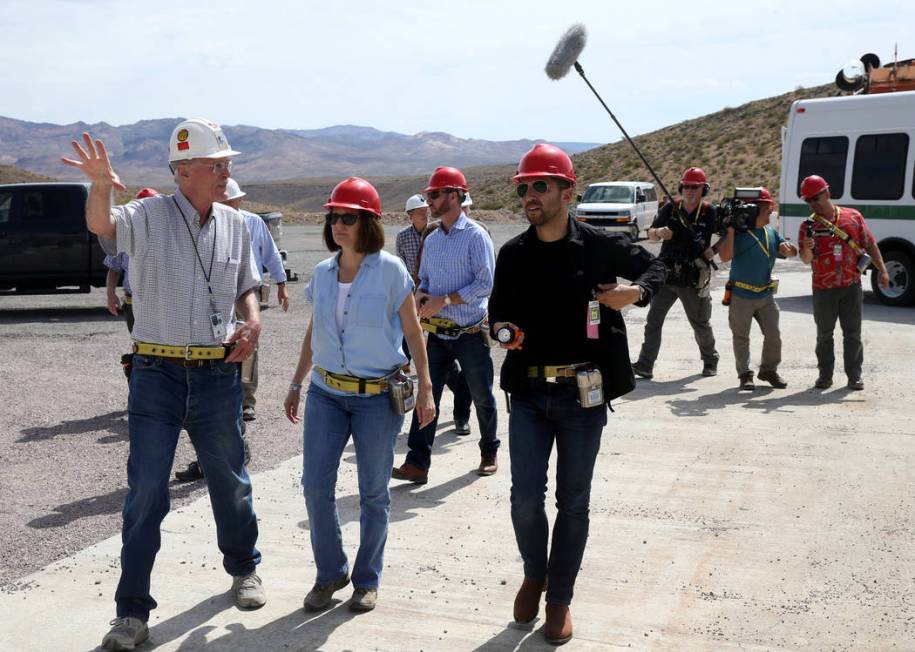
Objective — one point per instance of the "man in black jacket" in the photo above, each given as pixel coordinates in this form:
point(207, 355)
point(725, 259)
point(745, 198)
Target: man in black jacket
point(685, 227)
point(555, 305)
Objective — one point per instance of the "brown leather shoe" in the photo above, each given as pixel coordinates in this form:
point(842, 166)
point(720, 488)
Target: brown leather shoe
point(558, 627)
point(410, 473)
point(488, 464)
point(527, 601)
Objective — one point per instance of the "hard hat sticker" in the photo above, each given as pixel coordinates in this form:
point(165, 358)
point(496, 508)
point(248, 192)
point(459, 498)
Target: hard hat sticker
point(182, 135)
point(184, 146)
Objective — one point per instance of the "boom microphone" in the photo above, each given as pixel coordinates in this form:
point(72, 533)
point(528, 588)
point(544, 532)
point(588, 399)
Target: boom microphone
point(564, 57)
point(567, 52)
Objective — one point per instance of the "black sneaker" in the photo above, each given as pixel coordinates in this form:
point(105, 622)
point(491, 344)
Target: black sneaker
point(248, 414)
point(823, 382)
point(192, 473)
point(856, 384)
point(461, 427)
point(710, 369)
point(746, 382)
point(642, 370)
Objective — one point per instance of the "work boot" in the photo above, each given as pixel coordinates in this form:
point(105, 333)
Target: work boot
point(823, 382)
point(773, 379)
point(642, 370)
point(192, 473)
point(855, 384)
point(558, 627)
point(125, 634)
point(320, 595)
point(363, 600)
point(410, 473)
point(746, 382)
point(248, 591)
point(488, 464)
point(461, 427)
point(527, 600)
point(710, 368)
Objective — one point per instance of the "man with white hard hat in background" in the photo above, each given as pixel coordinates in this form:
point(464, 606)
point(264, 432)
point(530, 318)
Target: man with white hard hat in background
point(191, 262)
point(266, 255)
point(466, 204)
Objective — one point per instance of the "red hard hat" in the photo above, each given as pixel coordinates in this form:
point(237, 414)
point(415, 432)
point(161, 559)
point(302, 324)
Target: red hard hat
point(813, 186)
point(357, 194)
point(764, 197)
point(694, 175)
point(147, 192)
point(545, 160)
point(446, 178)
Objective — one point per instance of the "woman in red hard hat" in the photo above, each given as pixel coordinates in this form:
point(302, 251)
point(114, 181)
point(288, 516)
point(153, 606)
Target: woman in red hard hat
point(363, 309)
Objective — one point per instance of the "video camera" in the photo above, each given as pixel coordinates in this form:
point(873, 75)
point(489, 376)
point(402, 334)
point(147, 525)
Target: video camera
point(738, 212)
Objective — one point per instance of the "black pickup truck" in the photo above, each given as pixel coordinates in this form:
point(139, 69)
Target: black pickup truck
point(45, 247)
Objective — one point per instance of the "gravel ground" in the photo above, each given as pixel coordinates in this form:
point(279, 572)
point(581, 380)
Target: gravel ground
point(63, 417)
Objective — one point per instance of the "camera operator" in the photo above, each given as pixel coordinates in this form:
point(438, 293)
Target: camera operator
point(833, 242)
point(750, 293)
point(686, 228)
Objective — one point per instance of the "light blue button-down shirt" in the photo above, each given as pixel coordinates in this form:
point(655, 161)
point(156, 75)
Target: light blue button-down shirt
point(462, 261)
point(263, 247)
point(369, 344)
point(120, 263)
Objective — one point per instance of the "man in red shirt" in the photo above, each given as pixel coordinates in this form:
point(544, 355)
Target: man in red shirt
point(832, 242)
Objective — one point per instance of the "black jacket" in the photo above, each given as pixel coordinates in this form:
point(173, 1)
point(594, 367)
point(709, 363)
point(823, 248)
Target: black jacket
point(603, 258)
point(692, 234)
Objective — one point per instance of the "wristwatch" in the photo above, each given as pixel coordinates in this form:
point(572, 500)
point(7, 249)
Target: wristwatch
point(447, 299)
point(295, 387)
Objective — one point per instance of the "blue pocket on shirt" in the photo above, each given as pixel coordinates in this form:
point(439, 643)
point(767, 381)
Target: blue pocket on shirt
point(370, 311)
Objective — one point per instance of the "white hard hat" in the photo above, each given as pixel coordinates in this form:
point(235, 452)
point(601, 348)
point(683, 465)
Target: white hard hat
point(467, 200)
point(198, 138)
point(416, 201)
point(233, 190)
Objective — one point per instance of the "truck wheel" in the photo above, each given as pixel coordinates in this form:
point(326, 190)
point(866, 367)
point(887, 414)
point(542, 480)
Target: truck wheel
point(901, 269)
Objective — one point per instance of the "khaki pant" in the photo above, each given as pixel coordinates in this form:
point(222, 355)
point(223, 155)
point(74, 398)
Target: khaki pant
point(741, 314)
point(845, 305)
point(698, 311)
point(249, 379)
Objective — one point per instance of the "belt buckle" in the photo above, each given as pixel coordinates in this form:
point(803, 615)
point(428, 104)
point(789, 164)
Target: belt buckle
point(187, 352)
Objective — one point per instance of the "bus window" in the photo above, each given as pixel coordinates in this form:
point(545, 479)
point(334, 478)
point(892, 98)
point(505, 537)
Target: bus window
point(825, 157)
point(879, 168)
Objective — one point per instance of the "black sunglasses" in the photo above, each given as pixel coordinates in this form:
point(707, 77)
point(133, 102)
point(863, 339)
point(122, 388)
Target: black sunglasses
point(539, 187)
point(347, 218)
point(811, 200)
point(435, 194)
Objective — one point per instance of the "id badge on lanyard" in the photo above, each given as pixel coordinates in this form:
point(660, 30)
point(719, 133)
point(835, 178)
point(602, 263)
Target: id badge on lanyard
point(593, 320)
point(218, 324)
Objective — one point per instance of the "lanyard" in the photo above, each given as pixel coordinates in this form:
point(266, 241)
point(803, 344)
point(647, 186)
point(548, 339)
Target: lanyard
point(838, 232)
point(206, 274)
point(764, 247)
point(680, 215)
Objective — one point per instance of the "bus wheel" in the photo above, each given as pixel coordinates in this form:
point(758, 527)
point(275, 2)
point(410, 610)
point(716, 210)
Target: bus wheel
point(901, 270)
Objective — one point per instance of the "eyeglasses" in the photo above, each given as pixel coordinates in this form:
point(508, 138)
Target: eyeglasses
point(539, 187)
point(691, 186)
point(811, 200)
point(435, 194)
point(219, 167)
point(347, 218)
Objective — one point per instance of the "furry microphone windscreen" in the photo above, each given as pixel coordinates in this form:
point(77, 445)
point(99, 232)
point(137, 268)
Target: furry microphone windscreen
point(567, 51)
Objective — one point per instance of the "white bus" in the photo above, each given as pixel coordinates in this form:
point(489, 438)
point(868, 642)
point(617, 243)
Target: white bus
point(864, 146)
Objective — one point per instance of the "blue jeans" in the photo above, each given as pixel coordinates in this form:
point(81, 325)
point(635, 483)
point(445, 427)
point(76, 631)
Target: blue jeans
point(329, 421)
point(458, 386)
point(476, 364)
point(164, 398)
point(545, 413)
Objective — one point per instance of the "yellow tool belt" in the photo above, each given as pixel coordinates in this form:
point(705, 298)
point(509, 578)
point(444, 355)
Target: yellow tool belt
point(754, 288)
point(184, 352)
point(353, 384)
point(442, 326)
point(557, 371)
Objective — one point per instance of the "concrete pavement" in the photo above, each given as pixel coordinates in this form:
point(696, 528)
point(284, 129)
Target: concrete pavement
point(781, 519)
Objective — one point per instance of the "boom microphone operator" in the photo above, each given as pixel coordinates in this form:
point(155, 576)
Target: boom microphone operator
point(564, 57)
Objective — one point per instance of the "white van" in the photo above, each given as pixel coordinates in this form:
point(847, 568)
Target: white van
point(864, 146)
point(627, 206)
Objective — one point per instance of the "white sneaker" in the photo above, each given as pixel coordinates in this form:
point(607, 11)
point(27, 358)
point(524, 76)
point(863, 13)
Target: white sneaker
point(249, 591)
point(125, 634)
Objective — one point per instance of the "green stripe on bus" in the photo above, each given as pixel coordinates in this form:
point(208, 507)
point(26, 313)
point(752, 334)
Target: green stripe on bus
point(869, 211)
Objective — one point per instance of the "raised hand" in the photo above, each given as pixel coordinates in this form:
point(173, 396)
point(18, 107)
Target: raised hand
point(94, 163)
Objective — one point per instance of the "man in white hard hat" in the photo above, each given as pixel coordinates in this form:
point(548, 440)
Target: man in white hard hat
point(190, 259)
point(409, 237)
point(266, 256)
point(466, 204)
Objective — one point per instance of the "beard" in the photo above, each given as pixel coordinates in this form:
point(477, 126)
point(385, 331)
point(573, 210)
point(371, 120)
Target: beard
point(540, 214)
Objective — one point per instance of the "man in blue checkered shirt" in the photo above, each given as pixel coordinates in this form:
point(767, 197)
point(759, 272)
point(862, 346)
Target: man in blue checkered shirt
point(455, 281)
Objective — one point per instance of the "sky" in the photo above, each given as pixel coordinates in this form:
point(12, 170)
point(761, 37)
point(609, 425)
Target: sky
point(473, 69)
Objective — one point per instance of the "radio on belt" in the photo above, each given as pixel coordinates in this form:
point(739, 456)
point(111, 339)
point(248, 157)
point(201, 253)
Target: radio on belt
point(590, 388)
point(400, 387)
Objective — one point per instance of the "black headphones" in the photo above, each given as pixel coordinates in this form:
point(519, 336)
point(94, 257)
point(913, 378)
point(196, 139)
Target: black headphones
point(705, 189)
